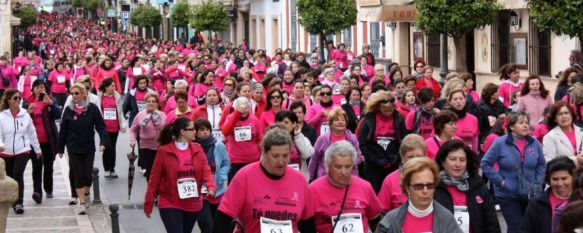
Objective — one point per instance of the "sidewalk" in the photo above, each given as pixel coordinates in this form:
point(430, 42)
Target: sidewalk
point(55, 215)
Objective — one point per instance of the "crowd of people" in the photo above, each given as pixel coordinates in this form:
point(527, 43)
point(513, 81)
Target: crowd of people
point(229, 136)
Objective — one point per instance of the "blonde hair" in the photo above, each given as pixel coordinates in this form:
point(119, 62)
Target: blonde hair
point(374, 101)
point(416, 165)
point(453, 91)
point(412, 142)
point(452, 84)
point(335, 113)
point(576, 94)
point(152, 95)
point(79, 86)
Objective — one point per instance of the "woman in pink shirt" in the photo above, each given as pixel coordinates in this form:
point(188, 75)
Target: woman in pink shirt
point(58, 83)
point(25, 81)
point(467, 124)
point(298, 95)
point(419, 178)
point(288, 81)
point(509, 75)
point(180, 86)
point(146, 125)
point(316, 115)
point(205, 81)
point(444, 126)
point(534, 98)
point(391, 196)
point(115, 122)
point(106, 70)
point(273, 106)
point(182, 108)
point(407, 103)
point(462, 191)
point(340, 196)
point(368, 69)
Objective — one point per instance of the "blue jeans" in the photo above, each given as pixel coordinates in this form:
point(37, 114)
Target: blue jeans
point(513, 211)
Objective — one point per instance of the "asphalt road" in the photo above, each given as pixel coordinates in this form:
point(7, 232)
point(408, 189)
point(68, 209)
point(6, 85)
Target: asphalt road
point(132, 218)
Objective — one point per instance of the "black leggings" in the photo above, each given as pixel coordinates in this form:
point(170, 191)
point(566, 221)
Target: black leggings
point(109, 153)
point(147, 157)
point(15, 169)
point(235, 167)
point(207, 217)
point(46, 162)
point(60, 97)
point(82, 167)
point(178, 221)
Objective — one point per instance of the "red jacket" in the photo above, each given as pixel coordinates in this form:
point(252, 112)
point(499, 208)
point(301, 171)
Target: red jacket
point(164, 175)
point(421, 83)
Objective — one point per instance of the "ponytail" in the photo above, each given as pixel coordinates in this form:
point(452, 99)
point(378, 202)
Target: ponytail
point(172, 131)
point(165, 134)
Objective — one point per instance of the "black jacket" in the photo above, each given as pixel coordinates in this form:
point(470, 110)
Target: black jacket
point(561, 91)
point(489, 110)
point(538, 218)
point(77, 130)
point(49, 114)
point(376, 157)
point(483, 217)
point(353, 119)
point(310, 132)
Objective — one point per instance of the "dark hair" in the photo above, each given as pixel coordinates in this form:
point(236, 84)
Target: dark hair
point(403, 97)
point(554, 111)
point(349, 93)
point(105, 83)
point(572, 217)
point(378, 87)
point(298, 104)
point(139, 78)
point(565, 75)
point(202, 124)
point(398, 81)
point(268, 104)
point(513, 118)
point(8, 93)
point(238, 88)
point(499, 125)
point(425, 95)
point(526, 89)
point(507, 69)
point(441, 119)
point(280, 116)
point(472, 162)
point(39, 82)
point(202, 77)
point(172, 131)
point(417, 62)
point(560, 163)
point(180, 95)
point(487, 91)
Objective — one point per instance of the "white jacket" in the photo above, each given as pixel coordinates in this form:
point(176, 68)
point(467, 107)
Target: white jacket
point(17, 133)
point(556, 143)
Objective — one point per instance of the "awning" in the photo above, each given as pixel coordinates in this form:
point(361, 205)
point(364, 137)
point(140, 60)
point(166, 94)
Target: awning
point(513, 4)
point(387, 10)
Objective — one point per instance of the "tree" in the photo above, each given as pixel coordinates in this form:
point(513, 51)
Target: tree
point(27, 15)
point(180, 14)
point(324, 17)
point(455, 18)
point(146, 16)
point(562, 17)
point(210, 16)
point(91, 5)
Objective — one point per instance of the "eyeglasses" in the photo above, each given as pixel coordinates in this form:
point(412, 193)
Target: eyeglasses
point(392, 100)
point(419, 66)
point(229, 84)
point(16, 98)
point(325, 93)
point(274, 97)
point(151, 101)
point(189, 129)
point(419, 187)
point(76, 93)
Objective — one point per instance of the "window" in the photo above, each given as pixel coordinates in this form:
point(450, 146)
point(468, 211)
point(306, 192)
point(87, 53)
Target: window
point(293, 25)
point(434, 50)
point(519, 50)
point(539, 51)
point(347, 37)
point(313, 41)
point(500, 40)
point(375, 42)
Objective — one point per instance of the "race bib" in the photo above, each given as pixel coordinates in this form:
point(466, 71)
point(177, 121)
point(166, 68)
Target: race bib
point(187, 188)
point(462, 217)
point(348, 223)
point(242, 133)
point(109, 114)
point(181, 67)
point(342, 101)
point(294, 166)
point(137, 71)
point(141, 105)
point(324, 128)
point(218, 134)
point(274, 226)
point(61, 79)
point(384, 142)
point(203, 189)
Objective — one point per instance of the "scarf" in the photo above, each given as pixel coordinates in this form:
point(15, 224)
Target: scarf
point(208, 145)
point(419, 213)
point(354, 103)
point(325, 105)
point(460, 113)
point(461, 184)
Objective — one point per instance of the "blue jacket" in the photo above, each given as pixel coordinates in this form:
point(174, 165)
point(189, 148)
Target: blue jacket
point(223, 165)
point(506, 154)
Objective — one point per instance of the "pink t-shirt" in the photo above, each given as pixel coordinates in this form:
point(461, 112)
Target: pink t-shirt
point(244, 151)
point(336, 138)
point(555, 201)
point(27, 91)
point(109, 110)
point(338, 99)
point(414, 224)
point(252, 195)
point(185, 170)
point(432, 146)
point(140, 99)
point(467, 130)
point(520, 144)
point(314, 119)
point(506, 89)
point(391, 196)
point(356, 109)
point(458, 197)
point(425, 124)
point(572, 140)
point(267, 118)
point(58, 82)
point(37, 120)
point(384, 126)
point(327, 199)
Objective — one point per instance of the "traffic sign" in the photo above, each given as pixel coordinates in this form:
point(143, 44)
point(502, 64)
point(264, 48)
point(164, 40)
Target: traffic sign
point(110, 13)
point(125, 17)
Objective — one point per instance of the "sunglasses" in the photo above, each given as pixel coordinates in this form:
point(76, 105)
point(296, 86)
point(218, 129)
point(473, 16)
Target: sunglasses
point(274, 97)
point(419, 187)
point(419, 66)
point(189, 129)
point(76, 93)
point(229, 84)
point(391, 100)
point(16, 98)
point(325, 93)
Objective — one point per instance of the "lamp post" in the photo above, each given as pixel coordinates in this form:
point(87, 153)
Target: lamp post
point(444, 70)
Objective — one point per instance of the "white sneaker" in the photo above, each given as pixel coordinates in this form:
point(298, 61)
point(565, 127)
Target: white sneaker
point(497, 207)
